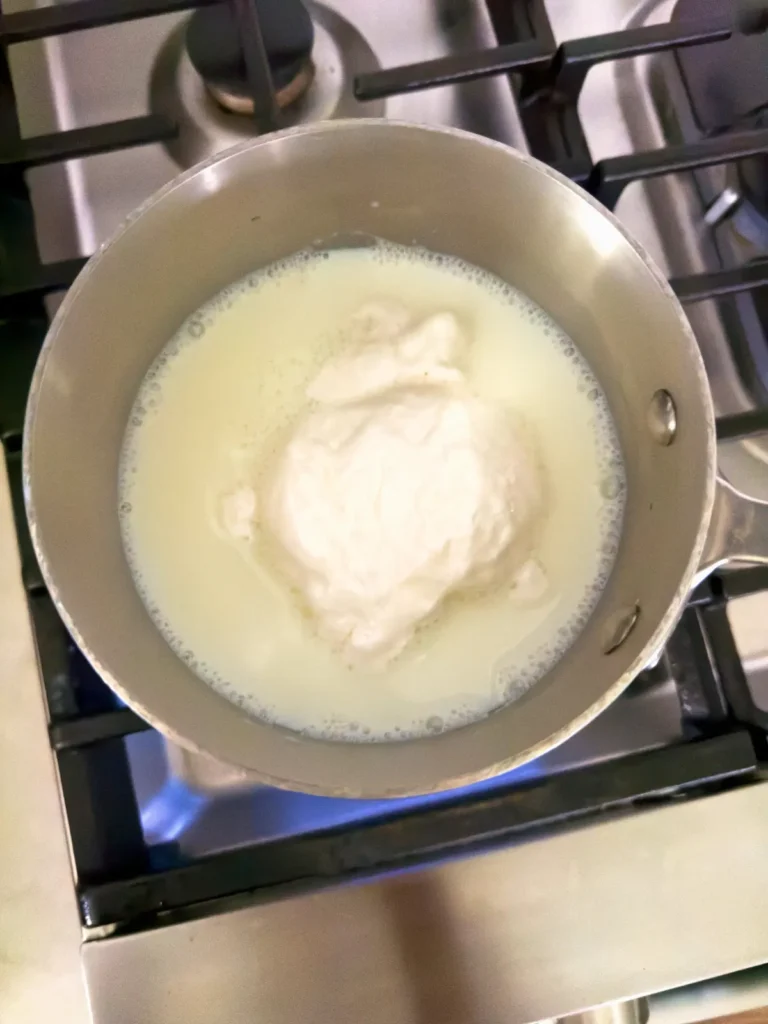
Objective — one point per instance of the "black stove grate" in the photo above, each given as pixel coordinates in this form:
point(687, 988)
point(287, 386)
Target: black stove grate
point(122, 881)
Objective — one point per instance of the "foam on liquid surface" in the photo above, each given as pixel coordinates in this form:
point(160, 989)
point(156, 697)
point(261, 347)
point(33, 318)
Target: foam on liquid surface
point(214, 410)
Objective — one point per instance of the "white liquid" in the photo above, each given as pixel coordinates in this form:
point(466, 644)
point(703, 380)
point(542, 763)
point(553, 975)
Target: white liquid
point(215, 408)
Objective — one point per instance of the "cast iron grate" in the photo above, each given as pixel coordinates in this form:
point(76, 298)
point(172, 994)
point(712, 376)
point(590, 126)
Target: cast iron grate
point(120, 879)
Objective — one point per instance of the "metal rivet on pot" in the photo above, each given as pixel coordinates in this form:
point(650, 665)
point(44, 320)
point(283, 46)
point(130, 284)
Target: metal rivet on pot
point(618, 627)
point(662, 417)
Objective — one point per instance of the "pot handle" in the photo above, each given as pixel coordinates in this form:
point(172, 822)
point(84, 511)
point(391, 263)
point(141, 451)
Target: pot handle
point(738, 530)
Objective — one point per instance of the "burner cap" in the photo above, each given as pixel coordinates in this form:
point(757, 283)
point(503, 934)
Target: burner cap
point(213, 45)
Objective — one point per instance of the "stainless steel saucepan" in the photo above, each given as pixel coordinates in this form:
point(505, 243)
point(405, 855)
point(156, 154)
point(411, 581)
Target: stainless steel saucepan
point(454, 193)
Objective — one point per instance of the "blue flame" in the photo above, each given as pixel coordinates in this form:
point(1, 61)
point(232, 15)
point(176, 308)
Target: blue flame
point(171, 809)
point(304, 813)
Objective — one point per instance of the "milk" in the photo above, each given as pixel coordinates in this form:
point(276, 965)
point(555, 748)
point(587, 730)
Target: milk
point(212, 415)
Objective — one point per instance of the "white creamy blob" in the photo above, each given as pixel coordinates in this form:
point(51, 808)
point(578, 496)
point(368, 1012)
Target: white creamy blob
point(389, 350)
point(401, 487)
point(370, 494)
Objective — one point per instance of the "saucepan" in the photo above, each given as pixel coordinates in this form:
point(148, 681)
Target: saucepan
point(454, 193)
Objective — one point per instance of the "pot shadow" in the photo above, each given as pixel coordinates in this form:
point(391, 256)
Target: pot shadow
point(435, 950)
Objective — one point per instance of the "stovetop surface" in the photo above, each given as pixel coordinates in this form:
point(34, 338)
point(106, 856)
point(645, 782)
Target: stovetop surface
point(686, 721)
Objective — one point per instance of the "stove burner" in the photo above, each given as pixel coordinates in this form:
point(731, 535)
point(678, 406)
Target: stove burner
point(215, 50)
point(239, 103)
point(728, 90)
point(199, 83)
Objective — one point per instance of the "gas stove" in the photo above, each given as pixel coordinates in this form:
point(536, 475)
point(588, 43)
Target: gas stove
point(659, 110)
